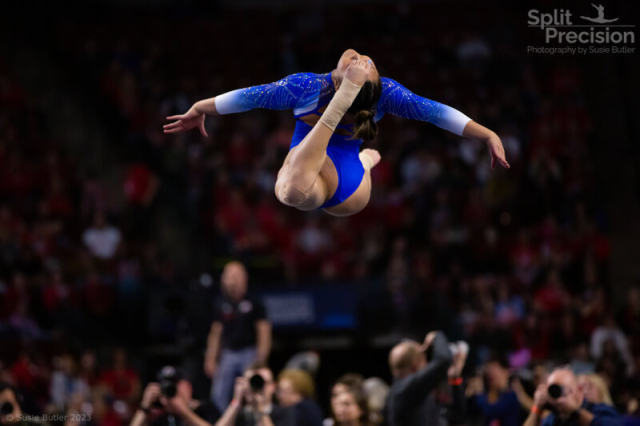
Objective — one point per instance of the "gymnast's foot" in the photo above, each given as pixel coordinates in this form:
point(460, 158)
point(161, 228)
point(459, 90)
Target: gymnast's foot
point(369, 158)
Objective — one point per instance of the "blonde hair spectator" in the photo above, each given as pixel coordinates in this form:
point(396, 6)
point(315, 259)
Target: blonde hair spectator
point(293, 386)
point(595, 389)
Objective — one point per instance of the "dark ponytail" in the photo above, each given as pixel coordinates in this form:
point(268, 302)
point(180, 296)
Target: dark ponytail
point(366, 128)
point(364, 107)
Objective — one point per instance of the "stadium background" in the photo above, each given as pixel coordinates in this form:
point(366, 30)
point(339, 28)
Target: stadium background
point(505, 259)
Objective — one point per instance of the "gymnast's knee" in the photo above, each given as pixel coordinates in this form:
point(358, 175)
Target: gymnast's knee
point(289, 194)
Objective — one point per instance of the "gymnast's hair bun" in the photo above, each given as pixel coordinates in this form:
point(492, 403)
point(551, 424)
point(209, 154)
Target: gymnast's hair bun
point(366, 127)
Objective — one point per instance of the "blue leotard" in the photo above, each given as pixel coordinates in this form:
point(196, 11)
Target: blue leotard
point(306, 93)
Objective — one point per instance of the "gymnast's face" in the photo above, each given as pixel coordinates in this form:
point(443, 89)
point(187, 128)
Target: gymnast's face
point(347, 58)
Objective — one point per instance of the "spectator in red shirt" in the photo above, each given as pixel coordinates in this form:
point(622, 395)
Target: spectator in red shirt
point(55, 293)
point(23, 372)
point(524, 258)
point(552, 297)
point(121, 381)
point(140, 184)
point(103, 413)
point(235, 212)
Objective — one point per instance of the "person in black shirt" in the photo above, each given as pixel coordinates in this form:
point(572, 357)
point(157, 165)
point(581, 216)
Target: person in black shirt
point(411, 401)
point(173, 408)
point(240, 334)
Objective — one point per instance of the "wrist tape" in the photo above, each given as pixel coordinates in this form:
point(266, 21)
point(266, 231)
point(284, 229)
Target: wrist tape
point(340, 103)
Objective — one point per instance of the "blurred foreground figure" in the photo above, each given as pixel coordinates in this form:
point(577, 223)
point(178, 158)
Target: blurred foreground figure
point(169, 402)
point(11, 413)
point(297, 390)
point(499, 402)
point(566, 400)
point(252, 403)
point(411, 400)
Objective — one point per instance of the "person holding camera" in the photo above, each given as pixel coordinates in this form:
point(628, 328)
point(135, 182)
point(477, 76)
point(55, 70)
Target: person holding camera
point(566, 400)
point(410, 400)
point(240, 334)
point(10, 411)
point(456, 410)
point(252, 403)
point(169, 402)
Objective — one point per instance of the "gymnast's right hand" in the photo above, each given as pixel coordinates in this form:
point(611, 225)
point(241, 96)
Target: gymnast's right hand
point(358, 72)
point(183, 122)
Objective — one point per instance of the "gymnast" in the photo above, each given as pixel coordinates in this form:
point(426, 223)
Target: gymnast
point(334, 113)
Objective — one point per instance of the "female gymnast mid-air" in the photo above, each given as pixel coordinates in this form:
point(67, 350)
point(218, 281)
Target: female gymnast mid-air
point(334, 113)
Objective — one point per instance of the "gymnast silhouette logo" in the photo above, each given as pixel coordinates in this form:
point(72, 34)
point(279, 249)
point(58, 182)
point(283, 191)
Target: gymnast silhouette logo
point(600, 18)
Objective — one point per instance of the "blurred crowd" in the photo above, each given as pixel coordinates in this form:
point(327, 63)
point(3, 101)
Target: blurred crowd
point(64, 272)
point(515, 262)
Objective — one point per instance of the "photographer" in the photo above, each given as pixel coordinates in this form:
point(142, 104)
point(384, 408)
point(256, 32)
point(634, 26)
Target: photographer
point(10, 412)
point(566, 400)
point(410, 400)
point(252, 403)
point(170, 402)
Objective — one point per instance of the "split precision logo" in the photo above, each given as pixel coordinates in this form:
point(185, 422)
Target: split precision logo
point(559, 27)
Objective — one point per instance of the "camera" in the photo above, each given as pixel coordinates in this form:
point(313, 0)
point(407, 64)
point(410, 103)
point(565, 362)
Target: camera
point(257, 383)
point(555, 391)
point(168, 388)
point(168, 379)
point(6, 408)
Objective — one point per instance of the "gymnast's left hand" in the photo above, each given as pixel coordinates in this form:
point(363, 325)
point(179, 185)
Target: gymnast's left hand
point(358, 72)
point(183, 122)
point(497, 152)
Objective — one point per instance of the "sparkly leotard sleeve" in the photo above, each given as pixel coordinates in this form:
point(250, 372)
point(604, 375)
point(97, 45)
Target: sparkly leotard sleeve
point(292, 92)
point(398, 100)
point(305, 92)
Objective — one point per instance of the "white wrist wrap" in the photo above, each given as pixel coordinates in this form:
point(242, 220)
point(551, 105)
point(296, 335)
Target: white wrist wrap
point(367, 162)
point(340, 103)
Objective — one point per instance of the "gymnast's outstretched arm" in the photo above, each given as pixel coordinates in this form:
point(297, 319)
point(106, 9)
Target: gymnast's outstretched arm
point(279, 95)
point(398, 100)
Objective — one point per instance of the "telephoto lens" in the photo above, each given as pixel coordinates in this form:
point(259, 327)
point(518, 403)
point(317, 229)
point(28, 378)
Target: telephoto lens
point(6, 408)
point(168, 379)
point(168, 389)
point(257, 383)
point(555, 391)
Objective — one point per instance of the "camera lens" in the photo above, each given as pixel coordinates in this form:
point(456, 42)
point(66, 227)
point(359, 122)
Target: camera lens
point(256, 382)
point(6, 408)
point(555, 391)
point(168, 379)
point(168, 388)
